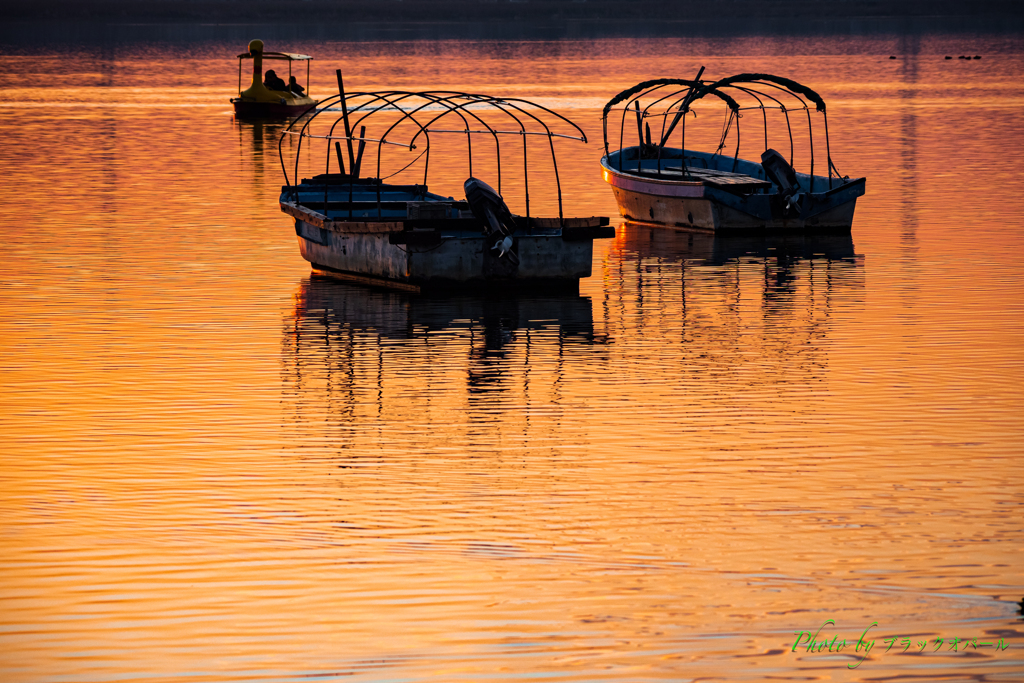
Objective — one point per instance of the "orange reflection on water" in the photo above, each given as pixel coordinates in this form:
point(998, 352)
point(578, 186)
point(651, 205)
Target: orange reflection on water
point(219, 467)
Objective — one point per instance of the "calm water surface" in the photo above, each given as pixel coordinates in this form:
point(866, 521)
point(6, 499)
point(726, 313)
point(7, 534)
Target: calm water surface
point(219, 468)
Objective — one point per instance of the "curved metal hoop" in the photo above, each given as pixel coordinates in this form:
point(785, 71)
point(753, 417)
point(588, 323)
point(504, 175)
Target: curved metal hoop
point(428, 112)
point(763, 91)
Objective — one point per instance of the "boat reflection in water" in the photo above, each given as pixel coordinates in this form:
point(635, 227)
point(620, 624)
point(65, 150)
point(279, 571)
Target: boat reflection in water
point(365, 351)
point(726, 318)
point(647, 242)
point(257, 147)
point(753, 311)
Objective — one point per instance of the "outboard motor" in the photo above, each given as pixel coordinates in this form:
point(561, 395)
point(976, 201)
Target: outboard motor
point(782, 174)
point(488, 206)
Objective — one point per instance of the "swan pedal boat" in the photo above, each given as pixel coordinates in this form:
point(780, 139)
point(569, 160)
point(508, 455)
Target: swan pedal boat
point(257, 101)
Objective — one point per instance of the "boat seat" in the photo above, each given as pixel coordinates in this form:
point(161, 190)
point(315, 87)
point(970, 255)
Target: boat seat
point(714, 177)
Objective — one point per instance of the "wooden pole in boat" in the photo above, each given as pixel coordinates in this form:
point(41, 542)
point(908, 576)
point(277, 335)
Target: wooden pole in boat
point(682, 109)
point(359, 155)
point(344, 116)
point(341, 160)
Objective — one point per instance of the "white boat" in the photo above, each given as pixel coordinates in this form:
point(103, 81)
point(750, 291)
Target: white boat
point(654, 182)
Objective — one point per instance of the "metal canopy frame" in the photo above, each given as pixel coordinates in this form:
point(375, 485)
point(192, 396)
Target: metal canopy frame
point(429, 112)
point(674, 96)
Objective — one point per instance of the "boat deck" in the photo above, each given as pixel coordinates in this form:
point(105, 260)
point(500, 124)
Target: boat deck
point(706, 176)
point(360, 206)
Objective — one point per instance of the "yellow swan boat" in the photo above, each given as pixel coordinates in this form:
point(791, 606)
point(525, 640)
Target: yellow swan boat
point(283, 99)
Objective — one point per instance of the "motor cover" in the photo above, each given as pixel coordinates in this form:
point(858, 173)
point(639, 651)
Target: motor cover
point(488, 206)
point(782, 174)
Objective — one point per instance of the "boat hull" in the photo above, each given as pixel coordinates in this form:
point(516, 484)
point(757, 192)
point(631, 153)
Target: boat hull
point(405, 237)
point(707, 214)
point(448, 262)
point(696, 205)
point(245, 109)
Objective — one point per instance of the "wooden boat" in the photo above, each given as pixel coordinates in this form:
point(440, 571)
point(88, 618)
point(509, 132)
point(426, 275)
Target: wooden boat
point(403, 236)
point(656, 183)
point(258, 101)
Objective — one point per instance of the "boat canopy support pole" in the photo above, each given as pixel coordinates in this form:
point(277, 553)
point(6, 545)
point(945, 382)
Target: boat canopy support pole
point(810, 135)
point(664, 120)
point(526, 183)
point(622, 129)
point(327, 178)
point(639, 135)
point(764, 115)
point(828, 152)
point(558, 183)
point(736, 156)
point(789, 127)
point(726, 125)
point(682, 149)
point(757, 95)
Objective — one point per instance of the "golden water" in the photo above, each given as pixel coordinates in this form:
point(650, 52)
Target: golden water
point(217, 468)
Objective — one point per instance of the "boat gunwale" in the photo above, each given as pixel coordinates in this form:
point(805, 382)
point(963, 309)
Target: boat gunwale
point(633, 176)
point(399, 225)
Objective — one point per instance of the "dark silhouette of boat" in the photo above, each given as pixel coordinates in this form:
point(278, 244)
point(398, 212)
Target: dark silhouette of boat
point(403, 236)
point(656, 183)
point(259, 101)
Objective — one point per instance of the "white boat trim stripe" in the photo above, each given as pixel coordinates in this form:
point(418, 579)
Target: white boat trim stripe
point(660, 189)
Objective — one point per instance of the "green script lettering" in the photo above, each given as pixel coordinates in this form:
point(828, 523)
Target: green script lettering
point(838, 646)
point(867, 646)
point(814, 645)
